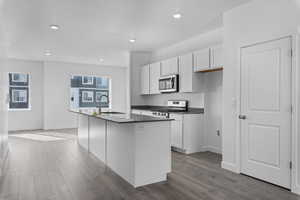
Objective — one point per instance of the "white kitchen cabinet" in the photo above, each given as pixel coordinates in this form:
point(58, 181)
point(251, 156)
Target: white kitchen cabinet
point(83, 131)
point(216, 57)
point(187, 132)
point(154, 78)
point(177, 131)
point(202, 60)
point(169, 66)
point(145, 80)
point(188, 80)
point(97, 138)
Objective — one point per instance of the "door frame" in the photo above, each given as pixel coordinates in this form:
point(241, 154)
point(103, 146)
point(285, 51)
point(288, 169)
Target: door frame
point(295, 92)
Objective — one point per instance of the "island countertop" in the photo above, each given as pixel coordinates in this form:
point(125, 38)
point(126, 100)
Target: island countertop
point(120, 117)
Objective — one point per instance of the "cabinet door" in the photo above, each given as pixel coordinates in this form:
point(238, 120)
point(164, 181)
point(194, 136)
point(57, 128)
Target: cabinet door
point(83, 131)
point(145, 80)
point(154, 78)
point(169, 67)
point(216, 57)
point(202, 60)
point(186, 73)
point(97, 138)
point(176, 134)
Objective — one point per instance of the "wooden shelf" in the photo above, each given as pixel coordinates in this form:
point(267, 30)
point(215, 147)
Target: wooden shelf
point(211, 70)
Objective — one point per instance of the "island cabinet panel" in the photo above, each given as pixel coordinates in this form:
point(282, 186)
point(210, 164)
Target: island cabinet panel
point(83, 131)
point(120, 150)
point(97, 139)
point(139, 152)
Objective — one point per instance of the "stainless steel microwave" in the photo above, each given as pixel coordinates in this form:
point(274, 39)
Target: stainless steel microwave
point(168, 84)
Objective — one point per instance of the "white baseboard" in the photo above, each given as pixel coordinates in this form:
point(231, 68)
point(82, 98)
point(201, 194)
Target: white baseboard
point(212, 149)
point(229, 166)
point(296, 190)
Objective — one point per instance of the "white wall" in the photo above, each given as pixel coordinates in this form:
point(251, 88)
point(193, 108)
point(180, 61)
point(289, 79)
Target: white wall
point(201, 41)
point(254, 22)
point(213, 111)
point(33, 118)
point(137, 59)
point(57, 87)
point(3, 95)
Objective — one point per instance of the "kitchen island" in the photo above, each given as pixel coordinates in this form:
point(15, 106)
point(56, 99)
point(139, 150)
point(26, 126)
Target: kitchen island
point(136, 147)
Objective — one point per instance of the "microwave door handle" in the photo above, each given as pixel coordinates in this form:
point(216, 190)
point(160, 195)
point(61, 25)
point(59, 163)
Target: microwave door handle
point(172, 83)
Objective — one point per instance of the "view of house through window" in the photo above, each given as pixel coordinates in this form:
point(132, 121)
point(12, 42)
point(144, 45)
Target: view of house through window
point(19, 91)
point(89, 92)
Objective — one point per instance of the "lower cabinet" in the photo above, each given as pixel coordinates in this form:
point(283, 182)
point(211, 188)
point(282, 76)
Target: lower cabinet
point(187, 132)
point(177, 131)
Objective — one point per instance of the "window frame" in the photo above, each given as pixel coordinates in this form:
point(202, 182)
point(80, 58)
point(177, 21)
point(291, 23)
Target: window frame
point(18, 81)
point(109, 89)
point(88, 83)
point(19, 90)
point(82, 96)
point(15, 86)
point(96, 92)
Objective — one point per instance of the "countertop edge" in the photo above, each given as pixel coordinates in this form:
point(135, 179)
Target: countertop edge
point(123, 122)
point(191, 111)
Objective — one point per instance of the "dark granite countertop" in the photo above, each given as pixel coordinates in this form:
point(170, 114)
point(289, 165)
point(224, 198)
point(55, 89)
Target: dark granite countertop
point(121, 117)
point(166, 109)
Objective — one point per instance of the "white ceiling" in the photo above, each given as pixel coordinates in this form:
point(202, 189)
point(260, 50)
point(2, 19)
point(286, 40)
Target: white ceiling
point(94, 29)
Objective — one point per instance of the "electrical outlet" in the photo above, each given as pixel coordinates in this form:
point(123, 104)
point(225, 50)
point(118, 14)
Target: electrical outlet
point(218, 132)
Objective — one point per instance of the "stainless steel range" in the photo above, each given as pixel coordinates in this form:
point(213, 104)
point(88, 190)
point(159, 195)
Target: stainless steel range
point(173, 106)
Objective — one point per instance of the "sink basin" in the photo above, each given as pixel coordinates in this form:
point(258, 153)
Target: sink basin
point(110, 113)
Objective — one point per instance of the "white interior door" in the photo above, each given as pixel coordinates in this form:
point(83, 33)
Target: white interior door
point(266, 111)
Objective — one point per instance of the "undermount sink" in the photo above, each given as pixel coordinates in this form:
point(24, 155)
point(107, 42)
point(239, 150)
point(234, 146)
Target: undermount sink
point(110, 113)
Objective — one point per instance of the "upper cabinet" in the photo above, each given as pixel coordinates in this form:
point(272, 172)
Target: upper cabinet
point(145, 81)
point(216, 57)
point(202, 60)
point(169, 67)
point(208, 59)
point(188, 80)
point(154, 77)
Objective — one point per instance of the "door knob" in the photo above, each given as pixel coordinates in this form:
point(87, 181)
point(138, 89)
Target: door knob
point(243, 117)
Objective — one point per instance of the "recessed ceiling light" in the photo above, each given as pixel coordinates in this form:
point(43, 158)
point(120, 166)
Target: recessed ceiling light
point(132, 40)
point(101, 59)
point(177, 16)
point(48, 53)
point(54, 27)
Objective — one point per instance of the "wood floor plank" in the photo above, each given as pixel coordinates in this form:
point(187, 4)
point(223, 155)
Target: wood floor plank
point(62, 170)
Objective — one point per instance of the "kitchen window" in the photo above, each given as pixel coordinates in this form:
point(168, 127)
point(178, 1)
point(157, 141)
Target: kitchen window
point(87, 80)
point(101, 96)
point(19, 91)
point(95, 94)
point(19, 96)
point(87, 96)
